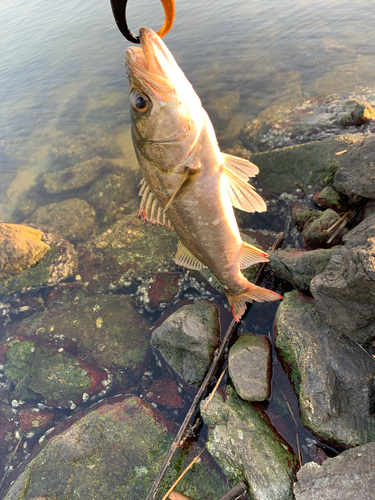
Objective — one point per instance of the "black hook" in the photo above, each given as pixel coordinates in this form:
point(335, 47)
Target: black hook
point(119, 12)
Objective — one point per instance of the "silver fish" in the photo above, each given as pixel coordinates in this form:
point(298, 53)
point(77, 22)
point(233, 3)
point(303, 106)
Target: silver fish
point(188, 183)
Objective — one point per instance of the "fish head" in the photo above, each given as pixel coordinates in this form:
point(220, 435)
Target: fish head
point(167, 114)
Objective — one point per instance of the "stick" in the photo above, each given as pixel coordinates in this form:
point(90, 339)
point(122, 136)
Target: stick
point(215, 389)
point(235, 492)
point(182, 475)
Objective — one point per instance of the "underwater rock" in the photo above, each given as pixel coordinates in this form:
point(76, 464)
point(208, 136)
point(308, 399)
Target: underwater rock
point(159, 291)
point(249, 365)
point(188, 338)
point(345, 477)
point(59, 263)
point(356, 173)
point(300, 266)
point(74, 219)
point(247, 448)
point(47, 370)
point(21, 247)
point(164, 391)
point(78, 176)
point(108, 331)
point(345, 292)
point(127, 252)
point(115, 451)
point(35, 420)
point(333, 378)
point(354, 112)
point(281, 168)
point(328, 197)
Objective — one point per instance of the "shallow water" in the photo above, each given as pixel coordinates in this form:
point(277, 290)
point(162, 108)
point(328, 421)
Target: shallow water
point(62, 75)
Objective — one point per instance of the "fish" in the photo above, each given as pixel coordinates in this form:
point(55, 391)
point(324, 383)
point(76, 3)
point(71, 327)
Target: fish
point(188, 183)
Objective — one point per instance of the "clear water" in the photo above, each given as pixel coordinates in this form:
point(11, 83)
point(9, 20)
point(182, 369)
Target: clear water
point(62, 69)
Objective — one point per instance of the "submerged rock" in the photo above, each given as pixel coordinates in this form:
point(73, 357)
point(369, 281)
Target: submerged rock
point(115, 451)
point(333, 378)
point(249, 364)
point(356, 174)
point(348, 476)
point(328, 197)
point(345, 292)
point(74, 219)
point(300, 266)
point(187, 339)
point(313, 235)
point(246, 447)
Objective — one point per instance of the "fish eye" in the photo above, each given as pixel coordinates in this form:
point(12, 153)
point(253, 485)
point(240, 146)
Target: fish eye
point(140, 102)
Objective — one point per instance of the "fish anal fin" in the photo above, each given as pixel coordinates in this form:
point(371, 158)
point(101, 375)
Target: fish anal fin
point(241, 167)
point(253, 293)
point(251, 255)
point(243, 195)
point(185, 258)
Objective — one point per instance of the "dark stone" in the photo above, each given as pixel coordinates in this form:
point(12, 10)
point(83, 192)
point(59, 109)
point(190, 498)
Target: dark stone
point(164, 391)
point(328, 197)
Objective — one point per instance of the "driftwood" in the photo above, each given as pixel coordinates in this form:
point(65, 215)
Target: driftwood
point(180, 437)
point(235, 492)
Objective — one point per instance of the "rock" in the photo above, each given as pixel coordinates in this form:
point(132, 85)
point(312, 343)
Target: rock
point(299, 266)
point(369, 209)
point(250, 367)
point(328, 197)
point(34, 420)
point(313, 235)
point(21, 247)
point(128, 252)
point(58, 264)
point(332, 377)
point(46, 370)
point(301, 213)
point(281, 169)
point(74, 219)
point(350, 475)
point(354, 112)
point(356, 173)
point(108, 331)
point(247, 448)
point(115, 451)
point(187, 339)
point(345, 292)
point(164, 391)
point(159, 291)
point(77, 176)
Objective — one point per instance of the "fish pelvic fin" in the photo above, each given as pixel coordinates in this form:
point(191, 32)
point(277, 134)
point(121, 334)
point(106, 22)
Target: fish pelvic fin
point(185, 258)
point(251, 255)
point(253, 293)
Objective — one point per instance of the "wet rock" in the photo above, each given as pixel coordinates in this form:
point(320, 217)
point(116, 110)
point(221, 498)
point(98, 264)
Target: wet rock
point(187, 339)
point(108, 331)
point(115, 451)
point(356, 174)
point(249, 365)
point(74, 219)
point(159, 291)
point(34, 420)
point(58, 264)
point(78, 176)
point(46, 370)
point(345, 292)
point(354, 112)
point(301, 213)
point(328, 197)
point(164, 391)
point(242, 442)
point(281, 169)
point(350, 475)
point(129, 251)
point(299, 266)
point(21, 247)
point(333, 378)
point(313, 235)
point(369, 209)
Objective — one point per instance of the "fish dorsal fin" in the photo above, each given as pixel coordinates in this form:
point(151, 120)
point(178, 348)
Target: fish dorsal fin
point(241, 167)
point(242, 195)
point(186, 259)
point(150, 208)
point(251, 255)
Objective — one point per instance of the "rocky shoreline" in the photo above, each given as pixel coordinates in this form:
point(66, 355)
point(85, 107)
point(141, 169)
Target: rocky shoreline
point(104, 339)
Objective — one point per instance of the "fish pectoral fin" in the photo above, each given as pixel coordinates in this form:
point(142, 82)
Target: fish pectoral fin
point(238, 302)
point(185, 258)
point(150, 208)
point(189, 171)
point(243, 195)
point(241, 167)
point(251, 255)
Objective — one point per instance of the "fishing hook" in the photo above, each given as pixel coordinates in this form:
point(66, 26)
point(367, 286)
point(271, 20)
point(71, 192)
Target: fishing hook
point(119, 12)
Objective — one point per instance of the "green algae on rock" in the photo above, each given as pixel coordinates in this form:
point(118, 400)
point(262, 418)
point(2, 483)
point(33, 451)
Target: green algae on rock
point(247, 448)
point(115, 451)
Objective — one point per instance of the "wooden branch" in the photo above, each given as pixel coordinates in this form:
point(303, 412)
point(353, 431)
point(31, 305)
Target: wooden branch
point(215, 389)
point(235, 492)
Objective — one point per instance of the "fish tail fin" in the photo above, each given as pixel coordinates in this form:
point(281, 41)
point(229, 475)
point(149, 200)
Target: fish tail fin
point(238, 302)
point(251, 255)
